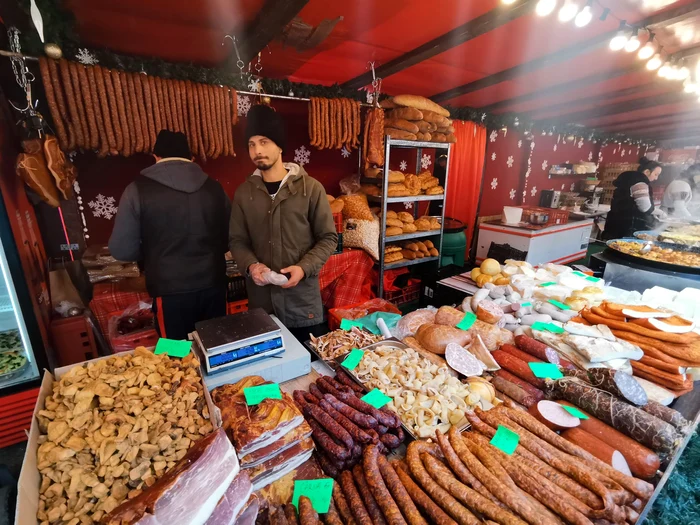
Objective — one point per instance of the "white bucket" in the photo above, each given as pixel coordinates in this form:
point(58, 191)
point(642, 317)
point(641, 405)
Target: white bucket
point(512, 215)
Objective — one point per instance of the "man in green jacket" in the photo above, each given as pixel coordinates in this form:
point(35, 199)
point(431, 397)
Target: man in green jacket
point(281, 222)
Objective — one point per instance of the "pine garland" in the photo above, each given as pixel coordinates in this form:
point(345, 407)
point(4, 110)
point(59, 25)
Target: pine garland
point(59, 28)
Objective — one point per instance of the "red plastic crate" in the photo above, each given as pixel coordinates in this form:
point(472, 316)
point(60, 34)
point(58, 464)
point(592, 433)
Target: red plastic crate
point(408, 294)
point(16, 416)
point(73, 340)
point(334, 314)
point(556, 217)
point(237, 307)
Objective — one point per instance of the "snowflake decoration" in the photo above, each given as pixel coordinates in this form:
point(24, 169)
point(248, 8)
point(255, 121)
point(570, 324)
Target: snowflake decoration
point(345, 152)
point(524, 194)
point(408, 205)
point(76, 187)
point(103, 207)
point(520, 143)
point(623, 153)
point(563, 186)
point(573, 185)
point(403, 166)
point(532, 145)
point(302, 156)
point(425, 161)
point(494, 183)
point(555, 147)
point(85, 57)
point(590, 156)
point(370, 98)
point(493, 156)
point(510, 161)
point(614, 151)
point(533, 191)
point(527, 173)
point(580, 143)
point(244, 105)
point(483, 117)
point(529, 161)
point(512, 195)
point(493, 136)
point(255, 86)
point(544, 165)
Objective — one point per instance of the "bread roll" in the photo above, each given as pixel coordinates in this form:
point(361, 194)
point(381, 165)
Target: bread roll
point(337, 206)
point(422, 247)
point(397, 190)
point(429, 244)
point(435, 190)
point(426, 127)
point(433, 252)
point(392, 248)
point(422, 103)
point(394, 222)
point(330, 198)
point(413, 184)
point(409, 227)
point(423, 225)
point(412, 246)
point(404, 216)
point(388, 103)
point(396, 177)
point(435, 224)
point(436, 118)
point(393, 230)
point(393, 257)
point(405, 113)
point(400, 123)
point(399, 134)
point(429, 183)
point(391, 214)
point(408, 254)
point(427, 137)
point(439, 137)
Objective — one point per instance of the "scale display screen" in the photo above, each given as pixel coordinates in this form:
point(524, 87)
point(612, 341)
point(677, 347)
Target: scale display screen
point(246, 351)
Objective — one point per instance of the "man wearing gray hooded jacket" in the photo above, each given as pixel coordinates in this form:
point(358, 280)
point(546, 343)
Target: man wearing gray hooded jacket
point(174, 220)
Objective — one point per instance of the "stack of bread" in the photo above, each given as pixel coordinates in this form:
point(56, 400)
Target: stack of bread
point(402, 185)
point(410, 117)
point(409, 251)
point(400, 223)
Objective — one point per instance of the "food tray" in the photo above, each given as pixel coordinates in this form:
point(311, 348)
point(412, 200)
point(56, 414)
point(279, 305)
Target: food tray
point(665, 244)
point(16, 372)
point(312, 350)
point(648, 262)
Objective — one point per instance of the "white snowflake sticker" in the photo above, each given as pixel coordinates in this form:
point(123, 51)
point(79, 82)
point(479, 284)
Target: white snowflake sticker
point(529, 161)
point(408, 205)
point(494, 183)
point(555, 147)
point(563, 186)
point(524, 193)
point(403, 166)
point(302, 156)
point(244, 105)
point(425, 161)
point(493, 156)
point(544, 165)
point(520, 143)
point(103, 207)
point(527, 173)
point(623, 153)
point(573, 185)
point(533, 191)
point(85, 57)
point(345, 152)
point(532, 145)
point(255, 86)
point(512, 195)
point(510, 161)
point(590, 156)
point(580, 143)
point(493, 136)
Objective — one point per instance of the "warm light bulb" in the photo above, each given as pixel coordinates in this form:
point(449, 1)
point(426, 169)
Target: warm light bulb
point(584, 17)
point(632, 44)
point(507, 2)
point(664, 71)
point(654, 62)
point(683, 73)
point(619, 41)
point(672, 73)
point(545, 7)
point(647, 51)
point(568, 11)
point(690, 87)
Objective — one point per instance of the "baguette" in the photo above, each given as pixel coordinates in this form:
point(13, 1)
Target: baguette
point(400, 134)
point(406, 113)
point(402, 124)
point(421, 103)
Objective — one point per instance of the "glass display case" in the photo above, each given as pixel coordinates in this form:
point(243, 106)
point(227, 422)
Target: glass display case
point(18, 364)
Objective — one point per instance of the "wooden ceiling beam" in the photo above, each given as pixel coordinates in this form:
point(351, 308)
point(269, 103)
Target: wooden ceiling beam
point(478, 26)
point(267, 25)
point(568, 53)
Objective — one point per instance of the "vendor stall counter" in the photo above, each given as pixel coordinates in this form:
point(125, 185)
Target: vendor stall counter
point(559, 244)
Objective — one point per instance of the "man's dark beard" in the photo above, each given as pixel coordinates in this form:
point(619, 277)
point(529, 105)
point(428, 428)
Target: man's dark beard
point(263, 165)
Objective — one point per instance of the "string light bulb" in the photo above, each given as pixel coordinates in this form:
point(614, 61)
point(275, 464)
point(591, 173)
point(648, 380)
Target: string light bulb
point(690, 87)
point(545, 7)
point(633, 43)
point(683, 73)
point(655, 62)
point(585, 16)
point(507, 2)
point(648, 50)
point(619, 41)
point(664, 70)
point(568, 11)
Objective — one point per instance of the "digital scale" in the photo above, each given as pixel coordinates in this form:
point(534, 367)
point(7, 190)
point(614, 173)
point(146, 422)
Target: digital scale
point(236, 340)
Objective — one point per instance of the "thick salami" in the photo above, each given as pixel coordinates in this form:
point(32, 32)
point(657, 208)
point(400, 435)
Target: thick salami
point(307, 514)
point(375, 513)
point(89, 133)
point(516, 352)
point(390, 441)
point(97, 112)
point(360, 419)
point(105, 77)
point(619, 383)
point(358, 435)
point(331, 467)
point(541, 351)
point(291, 514)
point(381, 493)
point(634, 422)
point(80, 141)
point(329, 424)
point(531, 390)
point(354, 500)
point(439, 495)
point(387, 419)
point(53, 106)
point(425, 502)
point(399, 493)
point(553, 415)
point(596, 447)
point(674, 417)
point(327, 444)
point(346, 380)
point(513, 391)
point(342, 505)
point(327, 387)
point(315, 391)
point(517, 367)
point(332, 517)
point(127, 149)
point(55, 77)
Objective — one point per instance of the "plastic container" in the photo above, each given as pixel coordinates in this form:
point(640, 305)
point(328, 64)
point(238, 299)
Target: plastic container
point(556, 217)
point(407, 294)
point(355, 311)
point(512, 215)
point(73, 340)
point(237, 307)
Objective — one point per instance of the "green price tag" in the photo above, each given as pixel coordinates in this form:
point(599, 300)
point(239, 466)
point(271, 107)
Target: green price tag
point(467, 321)
point(574, 412)
point(505, 440)
point(173, 348)
point(550, 283)
point(319, 491)
point(592, 279)
point(347, 324)
point(579, 274)
point(549, 327)
point(254, 395)
point(376, 398)
point(546, 370)
point(559, 305)
point(353, 359)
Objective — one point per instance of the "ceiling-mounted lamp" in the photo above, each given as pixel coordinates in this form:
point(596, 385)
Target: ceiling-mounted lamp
point(545, 7)
point(585, 16)
point(619, 41)
point(648, 50)
point(568, 11)
point(633, 43)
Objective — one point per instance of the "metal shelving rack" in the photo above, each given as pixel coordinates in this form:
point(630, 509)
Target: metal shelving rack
point(390, 143)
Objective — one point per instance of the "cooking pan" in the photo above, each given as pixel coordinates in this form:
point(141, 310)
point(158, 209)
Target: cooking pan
point(648, 262)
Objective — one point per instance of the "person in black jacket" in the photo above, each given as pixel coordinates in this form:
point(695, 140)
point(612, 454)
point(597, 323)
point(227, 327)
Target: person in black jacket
point(632, 207)
point(174, 220)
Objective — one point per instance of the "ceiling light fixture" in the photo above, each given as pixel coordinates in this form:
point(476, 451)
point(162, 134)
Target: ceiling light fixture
point(585, 16)
point(545, 7)
point(568, 11)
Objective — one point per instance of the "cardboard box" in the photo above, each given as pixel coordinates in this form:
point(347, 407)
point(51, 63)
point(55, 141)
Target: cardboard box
point(30, 478)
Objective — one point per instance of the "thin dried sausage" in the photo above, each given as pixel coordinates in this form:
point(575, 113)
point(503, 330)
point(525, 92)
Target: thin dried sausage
point(307, 514)
point(52, 82)
point(332, 517)
point(342, 505)
point(136, 114)
point(398, 492)
point(346, 380)
point(375, 513)
point(163, 103)
point(385, 418)
point(430, 508)
point(330, 467)
point(110, 108)
point(127, 148)
point(53, 106)
point(327, 444)
point(328, 387)
point(315, 391)
point(199, 124)
point(357, 434)
point(353, 498)
point(148, 108)
point(363, 420)
point(218, 128)
point(97, 113)
point(141, 88)
point(381, 493)
point(291, 514)
point(311, 108)
point(89, 133)
point(80, 141)
point(131, 111)
point(331, 426)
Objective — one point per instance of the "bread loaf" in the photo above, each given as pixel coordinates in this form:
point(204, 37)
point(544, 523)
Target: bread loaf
point(404, 216)
point(391, 248)
point(422, 247)
point(422, 103)
point(429, 244)
point(391, 214)
point(337, 206)
point(409, 227)
point(394, 222)
point(426, 127)
point(406, 113)
point(439, 137)
point(413, 184)
point(423, 225)
point(396, 177)
point(451, 138)
point(408, 254)
point(397, 190)
point(427, 137)
point(429, 183)
point(435, 190)
point(439, 120)
point(435, 337)
point(393, 230)
point(388, 103)
point(399, 134)
point(392, 257)
point(434, 252)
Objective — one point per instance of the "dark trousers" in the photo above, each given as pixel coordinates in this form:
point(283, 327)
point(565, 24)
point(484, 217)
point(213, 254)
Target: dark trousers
point(176, 314)
point(302, 334)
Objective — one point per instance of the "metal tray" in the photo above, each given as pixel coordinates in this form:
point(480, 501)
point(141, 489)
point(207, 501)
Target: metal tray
point(16, 372)
point(307, 344)
point(648, 262)
point(666, 244)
